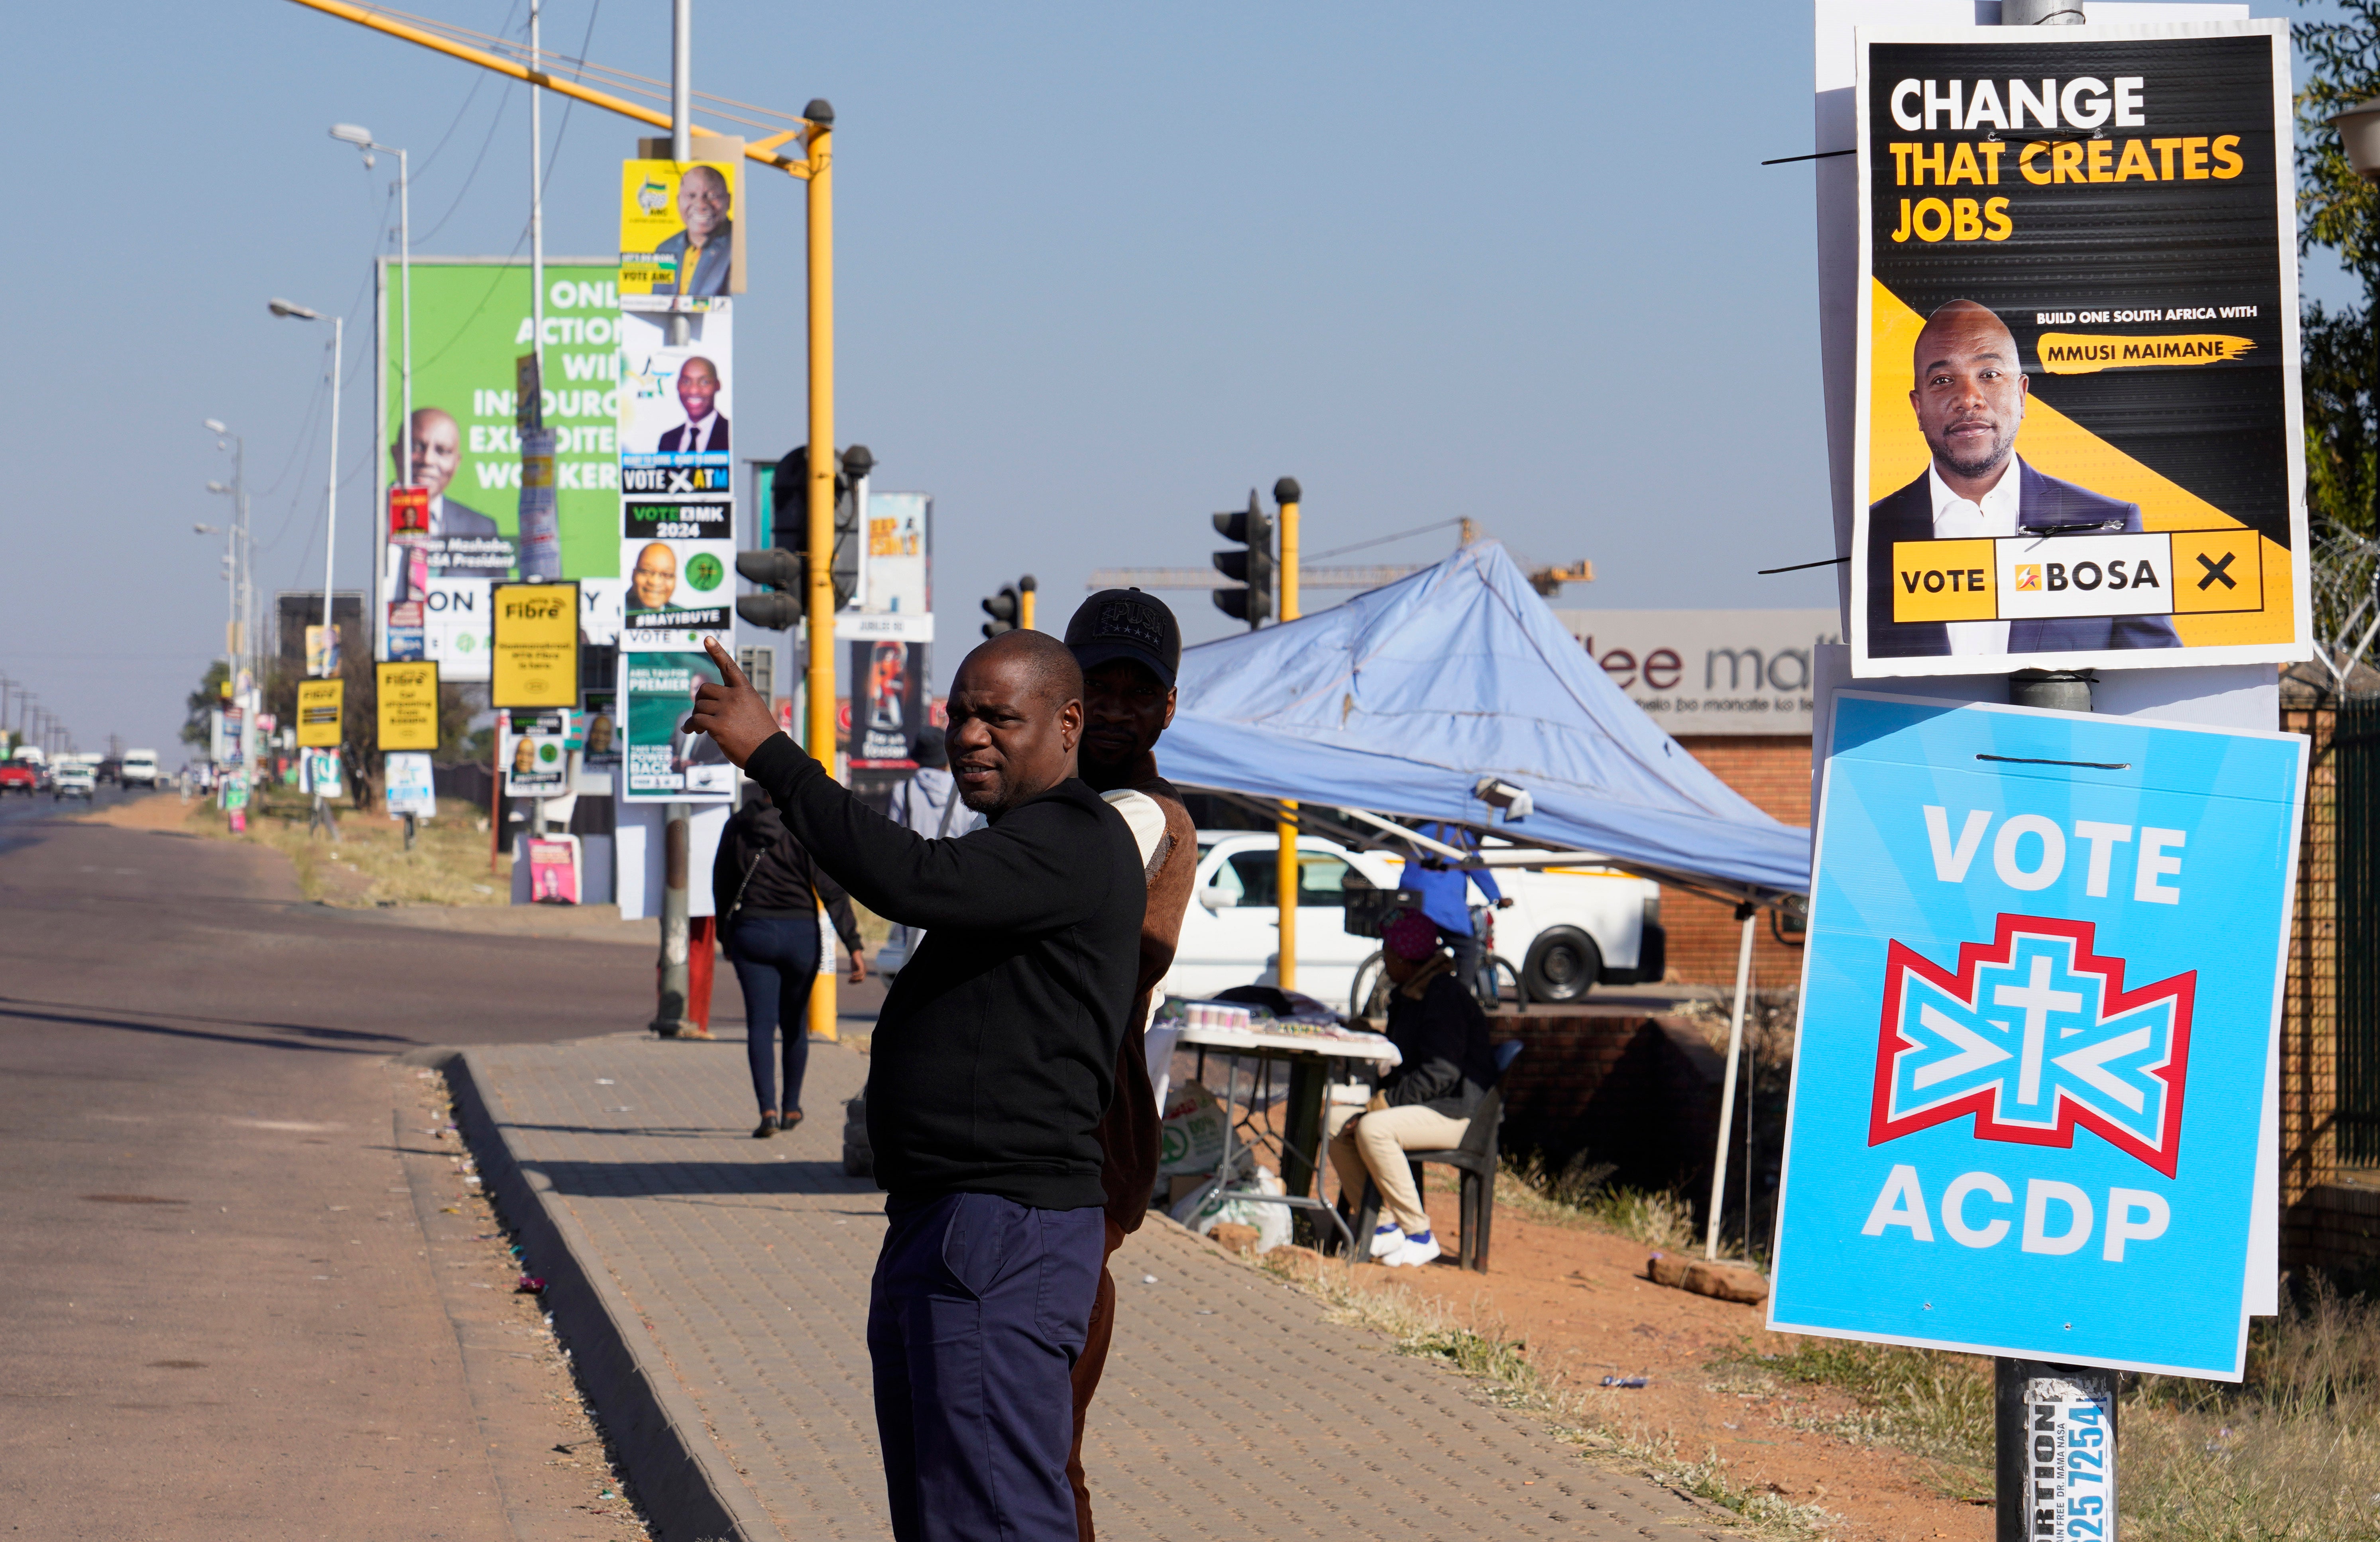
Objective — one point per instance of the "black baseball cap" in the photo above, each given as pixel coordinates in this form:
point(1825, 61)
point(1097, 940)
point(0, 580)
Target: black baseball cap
point(1126, 623)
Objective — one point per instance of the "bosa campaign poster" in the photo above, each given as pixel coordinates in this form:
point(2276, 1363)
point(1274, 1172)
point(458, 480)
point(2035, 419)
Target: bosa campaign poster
point(2078, 436)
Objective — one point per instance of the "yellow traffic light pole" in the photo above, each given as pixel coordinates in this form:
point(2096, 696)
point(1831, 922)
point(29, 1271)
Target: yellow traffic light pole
point(818, 681)
point(1286, 493)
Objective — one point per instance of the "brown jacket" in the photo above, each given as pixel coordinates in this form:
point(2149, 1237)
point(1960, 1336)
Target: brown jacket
point(1128, 1131)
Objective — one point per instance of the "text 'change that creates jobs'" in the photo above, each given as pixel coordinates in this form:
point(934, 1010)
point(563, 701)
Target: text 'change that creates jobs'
point(1929, 106)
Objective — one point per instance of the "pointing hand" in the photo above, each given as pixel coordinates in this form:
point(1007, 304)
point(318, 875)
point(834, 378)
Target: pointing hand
point(734, 715)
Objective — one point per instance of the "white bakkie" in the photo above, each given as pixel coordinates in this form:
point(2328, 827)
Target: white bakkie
point(1568, 928)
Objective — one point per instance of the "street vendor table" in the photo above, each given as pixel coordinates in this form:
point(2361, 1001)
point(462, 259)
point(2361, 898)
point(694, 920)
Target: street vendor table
point(1309, 1057)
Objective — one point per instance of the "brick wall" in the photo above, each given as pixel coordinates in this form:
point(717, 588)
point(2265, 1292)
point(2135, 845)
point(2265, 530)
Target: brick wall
point(1639, 1092)
point(1773, 772)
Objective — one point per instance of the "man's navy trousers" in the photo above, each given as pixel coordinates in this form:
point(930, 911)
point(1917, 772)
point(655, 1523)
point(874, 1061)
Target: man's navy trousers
point(979, 1308)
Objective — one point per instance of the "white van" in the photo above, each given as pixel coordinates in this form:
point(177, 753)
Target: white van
point(1568, 927)
point(139, 768)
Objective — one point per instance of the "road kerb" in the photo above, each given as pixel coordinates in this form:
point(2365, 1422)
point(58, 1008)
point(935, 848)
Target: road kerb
point(688, 1491)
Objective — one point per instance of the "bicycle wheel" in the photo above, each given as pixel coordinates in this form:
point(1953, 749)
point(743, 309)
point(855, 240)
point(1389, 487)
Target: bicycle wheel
point(1369, 995)
point(1499, 983)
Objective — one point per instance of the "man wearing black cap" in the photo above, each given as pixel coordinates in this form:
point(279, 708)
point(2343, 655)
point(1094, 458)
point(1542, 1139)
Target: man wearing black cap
point(1130, 648)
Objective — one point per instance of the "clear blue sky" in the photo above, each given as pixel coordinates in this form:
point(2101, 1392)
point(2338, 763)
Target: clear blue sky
point(1102, 270)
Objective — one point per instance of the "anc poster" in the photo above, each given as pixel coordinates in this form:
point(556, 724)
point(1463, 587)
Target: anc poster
point(2078, 402)
point(471, 324)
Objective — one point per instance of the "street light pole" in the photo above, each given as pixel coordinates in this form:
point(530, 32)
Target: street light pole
point(331, 483)
point(349, 133)
point(240, 642)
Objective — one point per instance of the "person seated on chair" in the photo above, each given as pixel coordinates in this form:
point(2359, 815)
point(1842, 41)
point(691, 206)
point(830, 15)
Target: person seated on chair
point(1426, 1103)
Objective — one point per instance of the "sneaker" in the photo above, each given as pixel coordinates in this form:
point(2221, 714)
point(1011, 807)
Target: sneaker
point(1386, 1240)
point(1419, 1248)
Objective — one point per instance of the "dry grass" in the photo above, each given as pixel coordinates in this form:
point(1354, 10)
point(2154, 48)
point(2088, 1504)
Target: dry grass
point(1581, 1194)
point(1583, 1416)
point(2292, 1454)
point(1937, 1406)
point(369, 865)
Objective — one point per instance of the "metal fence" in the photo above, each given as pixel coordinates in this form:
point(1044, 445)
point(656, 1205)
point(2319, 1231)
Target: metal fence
point(2356, 868)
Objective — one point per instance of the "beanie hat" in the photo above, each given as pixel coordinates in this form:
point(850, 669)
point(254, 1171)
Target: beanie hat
point(1412, 936)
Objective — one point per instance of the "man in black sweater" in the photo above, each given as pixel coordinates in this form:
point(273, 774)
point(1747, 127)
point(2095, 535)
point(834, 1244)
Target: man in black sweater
point(993, 1060)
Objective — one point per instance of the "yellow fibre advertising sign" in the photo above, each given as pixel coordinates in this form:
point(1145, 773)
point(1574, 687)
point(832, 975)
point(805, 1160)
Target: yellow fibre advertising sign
point(407, 696)
point(534, 658)
point(677, 228)
point(318, 712)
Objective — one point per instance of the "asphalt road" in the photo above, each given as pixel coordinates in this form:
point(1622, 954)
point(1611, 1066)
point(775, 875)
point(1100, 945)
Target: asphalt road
point(223, 1314)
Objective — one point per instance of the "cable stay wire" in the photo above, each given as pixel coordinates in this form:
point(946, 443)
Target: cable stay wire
point(628, 82)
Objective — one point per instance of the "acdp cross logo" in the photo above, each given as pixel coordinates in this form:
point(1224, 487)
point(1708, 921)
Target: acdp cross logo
point(2034, 1035)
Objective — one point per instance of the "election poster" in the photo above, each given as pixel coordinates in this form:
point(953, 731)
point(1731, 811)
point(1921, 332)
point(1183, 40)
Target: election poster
point(2041, 999)
point(665, 763)
point(679, 237)
point(534, 749)
point(2078, 410)
point(411, 788)
point(459, 531)
point(677, 472)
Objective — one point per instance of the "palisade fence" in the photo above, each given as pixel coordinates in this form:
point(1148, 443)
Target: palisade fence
point(2355, 854)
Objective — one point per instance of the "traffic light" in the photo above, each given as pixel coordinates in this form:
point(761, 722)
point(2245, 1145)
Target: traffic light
point(781, 566)
point(1251, 568)
point(1011, 609)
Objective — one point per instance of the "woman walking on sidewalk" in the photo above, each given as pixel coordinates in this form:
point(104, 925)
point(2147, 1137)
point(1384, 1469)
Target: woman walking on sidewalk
point(766, 894)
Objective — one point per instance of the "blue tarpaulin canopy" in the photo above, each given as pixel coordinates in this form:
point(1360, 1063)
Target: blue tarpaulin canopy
point(1400, 701)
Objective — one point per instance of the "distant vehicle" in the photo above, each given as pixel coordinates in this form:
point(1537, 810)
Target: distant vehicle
point(73, 779)
point(1568, 927)
point(109, 769)
point(140, 769)
point(20, 776)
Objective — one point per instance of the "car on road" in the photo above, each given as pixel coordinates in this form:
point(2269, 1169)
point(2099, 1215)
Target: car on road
point(139, 768)
point(20, 776)
point(73, 779)
point(1569, 928)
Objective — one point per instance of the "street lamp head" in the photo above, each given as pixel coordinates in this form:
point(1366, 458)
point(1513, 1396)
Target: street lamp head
point(214, 425)
point(857, 462)
point(218, 487)
point(283, 308)
point(2359, 135)
point(207, 529)
point(352, 133)
point(820, 111)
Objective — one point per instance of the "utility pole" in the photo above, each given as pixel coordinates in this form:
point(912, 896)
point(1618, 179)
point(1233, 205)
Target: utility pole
point(2029, 1396)
point(669, 1016)
point(331, 487)
point(537, 195)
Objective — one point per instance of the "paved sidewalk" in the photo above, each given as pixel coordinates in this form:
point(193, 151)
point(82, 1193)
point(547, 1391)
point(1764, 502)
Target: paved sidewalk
point(734, 1273)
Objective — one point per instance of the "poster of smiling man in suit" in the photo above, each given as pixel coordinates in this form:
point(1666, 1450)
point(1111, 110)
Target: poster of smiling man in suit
point(2077, 437)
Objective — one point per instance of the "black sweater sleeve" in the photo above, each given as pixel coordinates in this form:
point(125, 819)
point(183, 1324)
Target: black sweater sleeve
point(1021, 874)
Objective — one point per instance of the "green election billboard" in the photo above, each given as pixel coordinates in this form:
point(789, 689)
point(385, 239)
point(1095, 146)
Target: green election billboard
point(471, 324)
